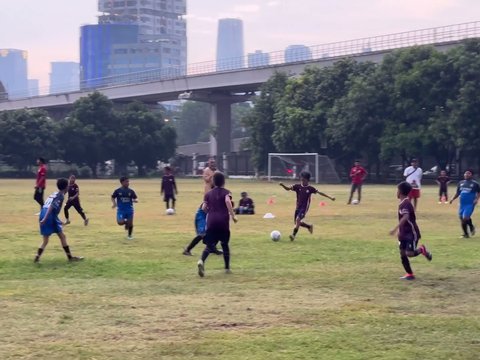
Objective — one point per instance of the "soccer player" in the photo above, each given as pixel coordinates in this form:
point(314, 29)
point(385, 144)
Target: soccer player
point(245, 205)
point(469, 192)
point(208, 175)
point(41, 182)
point(169, 187)
point(443, 180)
point(413, 175)
point(218, 205)
point(123, 199)
point(50, 223)
point(200, 227)
point(73, 200)
point(408, 231)
point(358, 175)
point(304, 192)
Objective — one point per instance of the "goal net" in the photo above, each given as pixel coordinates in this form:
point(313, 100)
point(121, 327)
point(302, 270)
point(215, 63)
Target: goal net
point(290, 165)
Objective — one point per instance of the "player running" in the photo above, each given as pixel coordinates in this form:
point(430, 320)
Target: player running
point(304, 192)
point(408, 231)
point(50, 223)
point(73, 200)
point(123, 199)
point(469, 192)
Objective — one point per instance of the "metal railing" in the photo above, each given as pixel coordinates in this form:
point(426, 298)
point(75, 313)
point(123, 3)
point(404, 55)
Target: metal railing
point(430, 36)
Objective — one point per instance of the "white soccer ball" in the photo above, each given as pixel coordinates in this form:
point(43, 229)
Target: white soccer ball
point(355, 202)
point(275, 235)
point(170, 211)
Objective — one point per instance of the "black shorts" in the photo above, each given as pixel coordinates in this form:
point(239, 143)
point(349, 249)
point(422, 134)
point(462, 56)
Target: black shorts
point(75, 204)
point(409, 244)
point(212, 237)
point(442, 191)
point(168, 197)
point(299, 213)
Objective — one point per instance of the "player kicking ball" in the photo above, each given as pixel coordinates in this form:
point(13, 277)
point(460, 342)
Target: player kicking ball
point(408, 231)
point(304, 193)
point(51, 224)
point(123, 199)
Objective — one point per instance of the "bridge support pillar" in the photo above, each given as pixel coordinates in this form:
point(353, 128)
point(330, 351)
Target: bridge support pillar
point(221, 128)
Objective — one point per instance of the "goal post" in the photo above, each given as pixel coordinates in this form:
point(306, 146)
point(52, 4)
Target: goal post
point(290, 165)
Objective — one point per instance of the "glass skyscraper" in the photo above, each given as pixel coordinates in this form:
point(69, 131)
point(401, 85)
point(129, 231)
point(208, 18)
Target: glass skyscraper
point(64, 76)
point(230, 53)
point(13, 72)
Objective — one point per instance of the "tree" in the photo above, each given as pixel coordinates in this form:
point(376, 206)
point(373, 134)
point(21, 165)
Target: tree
point(25, 135)
point(193, 124)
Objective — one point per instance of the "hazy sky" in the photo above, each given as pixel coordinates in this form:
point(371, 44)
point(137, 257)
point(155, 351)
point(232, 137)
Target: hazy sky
point(49, 29)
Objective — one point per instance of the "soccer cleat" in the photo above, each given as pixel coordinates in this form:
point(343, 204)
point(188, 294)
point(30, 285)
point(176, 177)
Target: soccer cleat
point(292, 237)
point(130, 237)
point(66, 222)
point(464, 236)
point(75, 258)
point(310, 229)
point(37, 259)
point(228, 271)
point(472, 231)
point(218, 252)
point(201, 268)
point(439, 202)
point(187, 252)
point(85, 222)
point(425, 252)
point(408, 277)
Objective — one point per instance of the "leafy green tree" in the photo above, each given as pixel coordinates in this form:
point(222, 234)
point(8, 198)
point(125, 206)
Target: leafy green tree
point(25, 135)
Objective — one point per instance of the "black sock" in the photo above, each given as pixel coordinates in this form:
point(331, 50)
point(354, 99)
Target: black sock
point(65, 212)
point(67, 251)
point(82, 214)
point(305, 225)
point(464, 228)
point(226, 255)
point(39, 252)
point(173, 204)
point(205, 254)
point(295, 231)
point(470, 224)
point(130, 229)
point(416, 253)
point(194, 242)
point(406, 264)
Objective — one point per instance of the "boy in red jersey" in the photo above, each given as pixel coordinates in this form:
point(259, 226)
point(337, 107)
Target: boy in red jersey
point(41, 182)
point(408, 231)
point(304, 192)
point(358, 175)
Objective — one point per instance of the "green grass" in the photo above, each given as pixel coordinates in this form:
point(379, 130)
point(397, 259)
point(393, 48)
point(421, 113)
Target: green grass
point(331, 295)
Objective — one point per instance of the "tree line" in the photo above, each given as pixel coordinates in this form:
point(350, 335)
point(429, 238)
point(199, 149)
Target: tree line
point(417, 102)
point(92, 133)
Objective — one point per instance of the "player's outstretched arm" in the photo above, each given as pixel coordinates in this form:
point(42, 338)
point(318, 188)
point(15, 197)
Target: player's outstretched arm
point(285, 187)
point(325, 195)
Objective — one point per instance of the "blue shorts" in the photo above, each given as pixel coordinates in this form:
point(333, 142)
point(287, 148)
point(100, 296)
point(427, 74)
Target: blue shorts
point(299, 213)
point(53, 225)
point(466, 211)
point(124, 214)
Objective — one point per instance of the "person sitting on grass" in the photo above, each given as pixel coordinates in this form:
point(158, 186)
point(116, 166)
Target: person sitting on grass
point(245, 205)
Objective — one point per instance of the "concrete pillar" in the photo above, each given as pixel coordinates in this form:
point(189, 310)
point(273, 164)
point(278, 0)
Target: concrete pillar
point(195, 164)
point(221, 123)
point(225, 163)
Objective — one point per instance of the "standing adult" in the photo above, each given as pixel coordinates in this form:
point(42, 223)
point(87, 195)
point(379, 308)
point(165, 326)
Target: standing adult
point(208, 175)
point(357, 175)
point(413, 175)
point(41, 182)
point(218, 205)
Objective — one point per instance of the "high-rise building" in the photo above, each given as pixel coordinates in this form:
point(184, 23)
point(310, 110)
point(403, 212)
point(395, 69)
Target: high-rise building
point(297, 53)
point(33, 88)
point(13, 72)
point(230, 44)
point(64, 76)
point(258, 58)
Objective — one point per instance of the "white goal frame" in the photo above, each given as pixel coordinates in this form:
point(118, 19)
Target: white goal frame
point(316, 157)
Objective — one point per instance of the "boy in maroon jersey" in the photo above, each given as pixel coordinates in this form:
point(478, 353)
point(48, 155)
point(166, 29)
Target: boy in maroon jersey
point(443, 180)
point(73, 200)
point(41, 182)
point(408, 231)
point(245, 205)
point(357, 174)
point(169, 187)
point(304, 192)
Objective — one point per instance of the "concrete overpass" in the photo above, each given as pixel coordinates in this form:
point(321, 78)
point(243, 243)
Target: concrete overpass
point(221, 89)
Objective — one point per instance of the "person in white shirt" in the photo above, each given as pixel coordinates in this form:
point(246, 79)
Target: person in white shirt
point(413, 175)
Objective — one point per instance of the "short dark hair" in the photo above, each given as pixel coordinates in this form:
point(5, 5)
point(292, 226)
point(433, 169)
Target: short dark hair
point(218, 179)
point(305, 175)
point(470, 170)
point(167, 168)
point(414, 160)
point(404, 188)
point(42, 160)
point(243, 193)
point(123, 178)
point(62, 184)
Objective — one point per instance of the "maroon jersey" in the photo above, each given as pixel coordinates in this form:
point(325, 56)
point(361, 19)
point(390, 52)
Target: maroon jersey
point(304, 194)
point(443, 180)
point(409, 231)
point(168, 184)
point(41, 177)
point(72, 191)
point(218, 218)
point(246, 202)
point(357, 174)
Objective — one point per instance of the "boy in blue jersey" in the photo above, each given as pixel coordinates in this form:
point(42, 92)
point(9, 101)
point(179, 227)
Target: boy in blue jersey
point(469, 191)
point(123, 199)
point(201, 229)
point(50, 223)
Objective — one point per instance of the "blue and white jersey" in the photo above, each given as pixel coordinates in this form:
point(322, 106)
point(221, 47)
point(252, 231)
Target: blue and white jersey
point(467, 190)
point(55, 201)
point(124, 197)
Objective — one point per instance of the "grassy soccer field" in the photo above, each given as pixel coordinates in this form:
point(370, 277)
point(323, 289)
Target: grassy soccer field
point(331, 295)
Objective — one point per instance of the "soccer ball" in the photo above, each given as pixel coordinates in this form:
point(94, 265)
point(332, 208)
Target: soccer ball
point(170, 211)
point(355, 202)
point(275, 235)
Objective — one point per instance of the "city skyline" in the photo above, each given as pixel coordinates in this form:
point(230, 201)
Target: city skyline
point(269, 25)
